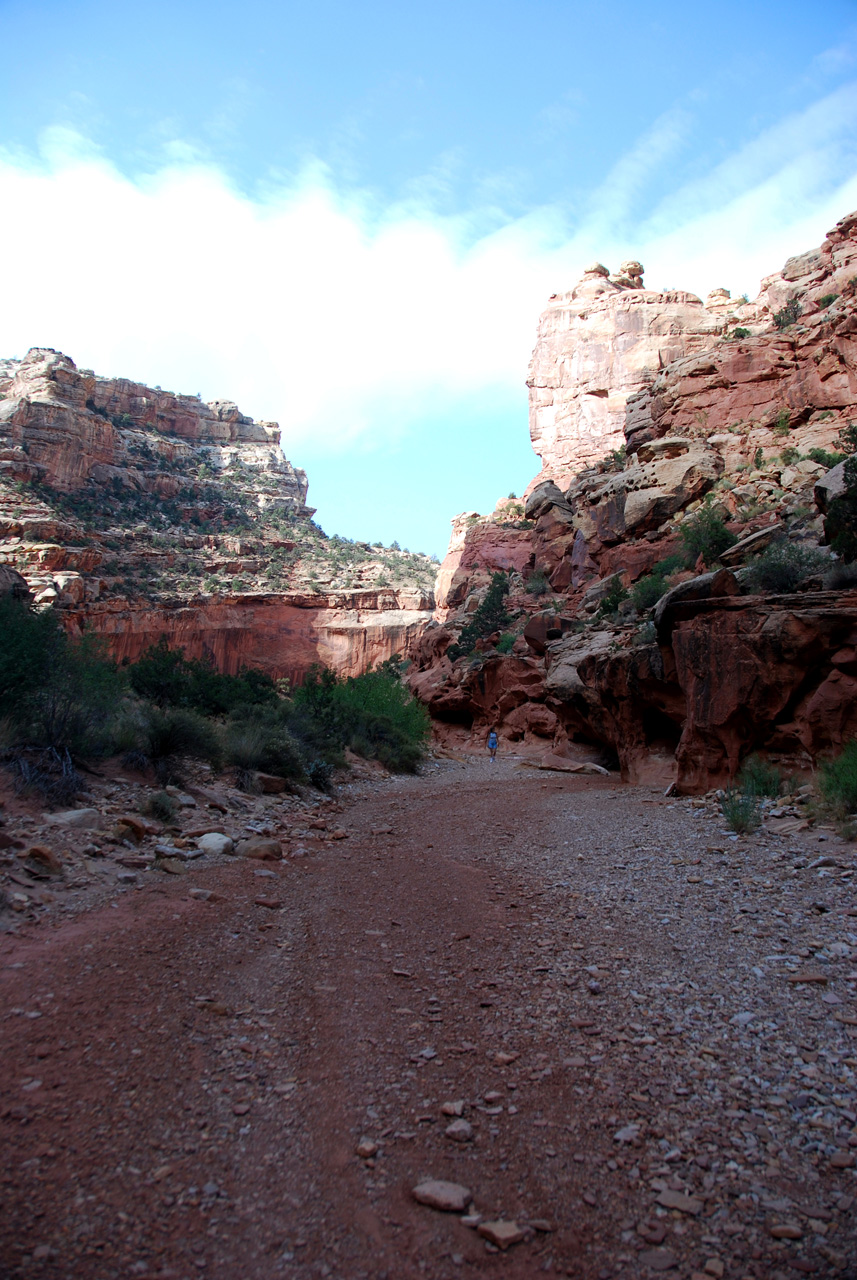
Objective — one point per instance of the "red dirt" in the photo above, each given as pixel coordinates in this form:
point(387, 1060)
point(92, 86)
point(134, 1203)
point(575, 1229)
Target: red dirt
point(186, 1081)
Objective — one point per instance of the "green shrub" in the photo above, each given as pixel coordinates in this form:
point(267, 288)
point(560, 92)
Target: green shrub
point(782, 423)
point(506, 642)
point(827, 299)
point(258, 739)
point(759, 778)
point(825, 458)
point(537, 584)
point(759, 458)
point(788, 315)
point(490, 616)
point(740, 332)
point(161, 806)
point(647, 591)
point(789, 455)
point(706, 535)
point(164, 676)
point(837, 782)
point(617, 594)
point(784, 565)
point(740, 811)
point(167, 737)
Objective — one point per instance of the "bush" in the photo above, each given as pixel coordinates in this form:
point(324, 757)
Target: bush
point(789, 455)
point(825, 458)
point(788, 315)
point(167, 737)
point(161, 806)
point(490, 616)
point(537, 584)
point(706, 535)
point(837, 782)
point(782, 423)
point(55, 692)
point(617, 594)
point(259, 740)
point(740, 811)
point(647, 592)
point(506, 642)
point(827, 299)
point(784, 565)
point(759, 778)
point(164, 676)
point(759, 458)
point(740, 333)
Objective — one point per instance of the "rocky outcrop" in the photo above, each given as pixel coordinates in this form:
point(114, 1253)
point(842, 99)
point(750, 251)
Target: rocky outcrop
point(743, 424)
point(599, 345)
point(140, 514)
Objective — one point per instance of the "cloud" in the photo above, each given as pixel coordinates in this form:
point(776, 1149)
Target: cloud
point(312, 304)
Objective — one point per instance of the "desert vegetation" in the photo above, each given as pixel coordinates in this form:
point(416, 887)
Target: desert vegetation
point(63, 701)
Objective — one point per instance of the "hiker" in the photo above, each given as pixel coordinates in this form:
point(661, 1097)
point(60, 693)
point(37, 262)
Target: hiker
point(493, 743)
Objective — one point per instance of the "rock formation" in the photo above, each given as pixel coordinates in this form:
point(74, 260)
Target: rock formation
point(743, 426)
point(140, 513)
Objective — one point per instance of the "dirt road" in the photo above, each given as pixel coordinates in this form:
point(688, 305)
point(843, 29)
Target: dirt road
point(647, 1028)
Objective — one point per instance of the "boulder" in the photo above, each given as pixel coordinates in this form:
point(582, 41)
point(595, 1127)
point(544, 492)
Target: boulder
point(260, 848)
point(215, 842)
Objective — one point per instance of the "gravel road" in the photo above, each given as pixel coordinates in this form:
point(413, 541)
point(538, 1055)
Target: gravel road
point(631, 1037)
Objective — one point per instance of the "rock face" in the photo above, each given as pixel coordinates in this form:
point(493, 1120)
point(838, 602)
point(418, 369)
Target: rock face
point(597, 346)
point(686, 690)
point(142, 514)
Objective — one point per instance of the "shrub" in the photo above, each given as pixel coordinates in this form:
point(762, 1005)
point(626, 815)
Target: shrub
point(758, 458)
point(258, 739)
point(648, 591)
point(167, 737)
point(161, 806)
point(740, 332)
point(490, 616)
point(164, 676)
point(759, 778)
point(827, 299)
point(782, 423)
point(740, 811)
point(537, 584)
point(506, 642)
point(788, 315)
point(784, 565)
point(837, 782)
point(617, 594)
point(789, 455)
point(825, 458)
point(706, 535)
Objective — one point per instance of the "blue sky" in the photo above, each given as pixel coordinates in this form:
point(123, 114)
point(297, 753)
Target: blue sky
point(347, 217)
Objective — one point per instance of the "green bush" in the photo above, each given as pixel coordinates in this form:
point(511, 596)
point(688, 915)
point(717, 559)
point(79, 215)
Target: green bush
point(258, 739)
point(825, 458)
point(740, 332)
point(167, 737)
point(788, 315)
point(164, 676)
point(759, 778)
point(506, 642)
point(55, 692)
point(617, 594)
point(490, 616)
point(647, 591)
point(837, 782)
point(161, 806)
point(782, 423)
point(827, 299)
point(784, 565)
point(706, 535)
point(759, 458)
point(740, 811)
point(537, 584)
point(789, 455)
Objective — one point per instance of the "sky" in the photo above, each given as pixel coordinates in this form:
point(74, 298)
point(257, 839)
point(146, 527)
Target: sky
point(347, 216)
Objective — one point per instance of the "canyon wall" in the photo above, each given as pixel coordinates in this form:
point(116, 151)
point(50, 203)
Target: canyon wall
point(729, 409)
point(139, 514)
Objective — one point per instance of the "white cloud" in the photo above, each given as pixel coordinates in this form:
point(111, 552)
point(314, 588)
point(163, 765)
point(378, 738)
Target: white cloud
point(312, 305)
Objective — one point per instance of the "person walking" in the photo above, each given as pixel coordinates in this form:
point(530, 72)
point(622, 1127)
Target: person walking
point(493, 743)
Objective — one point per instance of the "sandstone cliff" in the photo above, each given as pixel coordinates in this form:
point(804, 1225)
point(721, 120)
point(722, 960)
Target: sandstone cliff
point(730, 409)
point(141, 513)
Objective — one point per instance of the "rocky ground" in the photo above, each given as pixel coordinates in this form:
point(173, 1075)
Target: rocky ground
point(629, 1036)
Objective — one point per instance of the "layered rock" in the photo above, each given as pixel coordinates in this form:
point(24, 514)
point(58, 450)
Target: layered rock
point(597, 346)
point(139, 514)
point(710, 418)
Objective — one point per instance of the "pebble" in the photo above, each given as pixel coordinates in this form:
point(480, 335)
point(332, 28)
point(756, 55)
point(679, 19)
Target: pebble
point(500, 1233)
point(450, 1197)
point(459, 1131)
point(366, 1149)
point(658, 1259)
point(677, 1200)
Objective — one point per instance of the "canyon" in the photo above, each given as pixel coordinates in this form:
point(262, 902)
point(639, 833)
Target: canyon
point(650, 410)
point(139, 513)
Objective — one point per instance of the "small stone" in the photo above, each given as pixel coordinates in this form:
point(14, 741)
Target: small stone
point(843, 1160)
point(339, 834)
point(450, 1197)
point(504, 1059)
point(366, 1149)
point(714, 1267)
point(172, 866)
point(492, 1098)
point(272, 903)
point(459, 1131)
point(785, 1231)
point(658, 1259)
point(263, 850)
point(271, 784)
point(241, 1108)
point(201, 895)
point(42, 862)
point(453, 1108)
point(78, 819)
point(215, 842)
point(627, 1133)
point(677, 1200)
point(502, 1234)
point(210, 1189)
point(808, 975)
